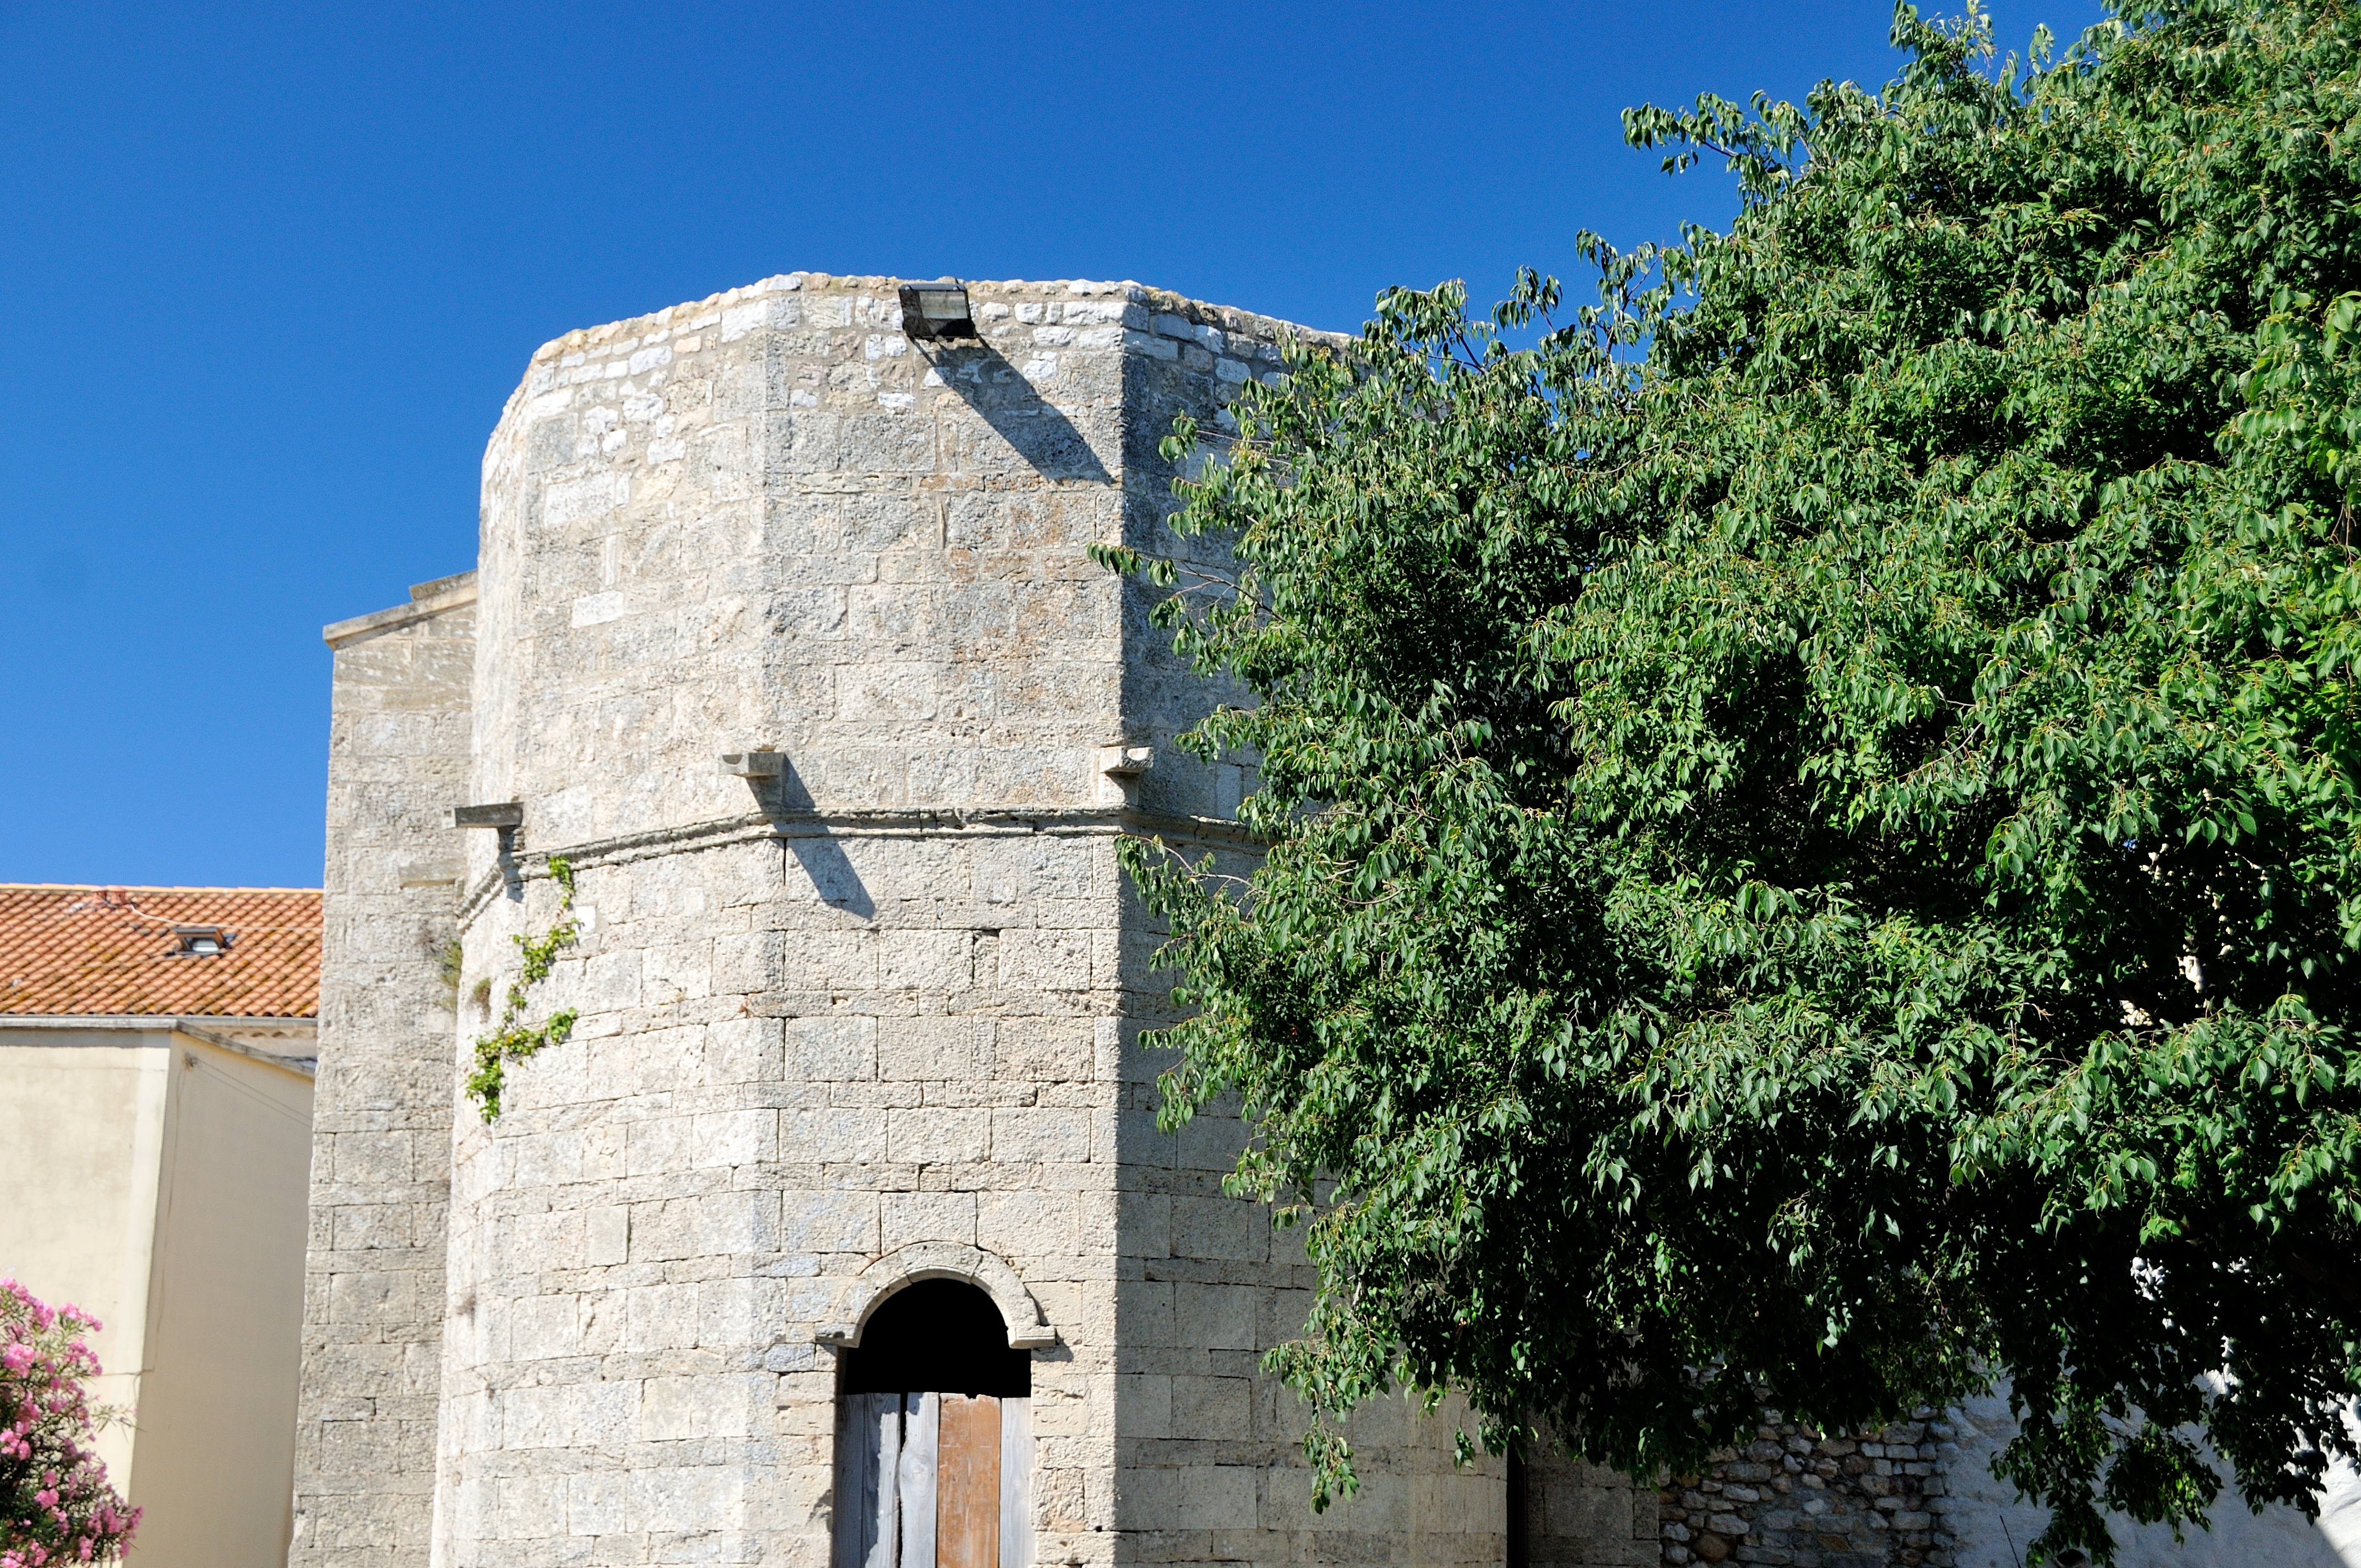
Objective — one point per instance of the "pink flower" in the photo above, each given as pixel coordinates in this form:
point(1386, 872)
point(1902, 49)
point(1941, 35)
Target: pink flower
point(73, 1514)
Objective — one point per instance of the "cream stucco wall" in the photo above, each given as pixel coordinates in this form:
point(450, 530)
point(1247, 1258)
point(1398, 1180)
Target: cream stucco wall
point(84, 1121)
point(158, 1181)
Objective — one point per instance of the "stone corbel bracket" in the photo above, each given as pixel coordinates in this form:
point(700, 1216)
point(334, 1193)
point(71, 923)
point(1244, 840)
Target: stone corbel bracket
point(757, 767)
point(1119, 768)
point(501, 814)
point(869, 1289)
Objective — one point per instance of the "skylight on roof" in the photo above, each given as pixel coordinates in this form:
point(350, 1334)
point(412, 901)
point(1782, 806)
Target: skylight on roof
point(199, 941)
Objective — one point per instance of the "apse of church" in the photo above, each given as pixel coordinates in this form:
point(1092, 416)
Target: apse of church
point(839, 1230)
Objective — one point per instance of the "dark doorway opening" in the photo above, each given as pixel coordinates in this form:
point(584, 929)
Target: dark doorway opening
point(934, 1438)
point(938, 1336)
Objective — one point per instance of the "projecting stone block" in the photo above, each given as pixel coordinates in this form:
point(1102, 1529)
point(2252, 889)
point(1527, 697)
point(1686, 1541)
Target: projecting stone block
point(607, 1232)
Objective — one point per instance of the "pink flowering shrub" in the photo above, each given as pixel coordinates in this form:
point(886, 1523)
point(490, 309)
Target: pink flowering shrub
point(55, 1505)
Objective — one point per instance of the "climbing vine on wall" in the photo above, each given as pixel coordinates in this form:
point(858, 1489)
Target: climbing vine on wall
point(512, 1041)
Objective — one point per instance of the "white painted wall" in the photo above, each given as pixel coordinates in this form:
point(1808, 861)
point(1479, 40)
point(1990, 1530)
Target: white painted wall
point(1991, 1526)
point(158, 1182)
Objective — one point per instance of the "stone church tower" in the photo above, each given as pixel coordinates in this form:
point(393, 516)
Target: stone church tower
point(839, 1234)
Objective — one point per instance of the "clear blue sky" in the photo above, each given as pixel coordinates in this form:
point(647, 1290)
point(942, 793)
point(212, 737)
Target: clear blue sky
point(268, 272)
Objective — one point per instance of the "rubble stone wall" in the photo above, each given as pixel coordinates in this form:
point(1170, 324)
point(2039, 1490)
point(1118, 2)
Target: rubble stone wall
point(1922, 1492)
point(1795, 1498)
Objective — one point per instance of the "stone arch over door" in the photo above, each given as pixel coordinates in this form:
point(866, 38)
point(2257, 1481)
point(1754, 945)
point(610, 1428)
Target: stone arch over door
point(934, 1435)
point(905, 1267)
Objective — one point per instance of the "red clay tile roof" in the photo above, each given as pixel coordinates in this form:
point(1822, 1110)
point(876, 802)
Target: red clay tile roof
point(112, 950)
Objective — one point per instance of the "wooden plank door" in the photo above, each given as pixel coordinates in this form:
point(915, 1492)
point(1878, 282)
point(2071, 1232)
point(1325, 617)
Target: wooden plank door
point(1016, 1484)
point(933, 1481)
point(868, 1463)
point(921, 1416)
point(967, 1483)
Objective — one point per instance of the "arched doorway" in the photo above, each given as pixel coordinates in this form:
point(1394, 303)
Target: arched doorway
point(934, 1438)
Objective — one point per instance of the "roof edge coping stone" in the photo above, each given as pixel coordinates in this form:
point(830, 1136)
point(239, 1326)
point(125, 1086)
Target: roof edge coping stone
point(455, 592)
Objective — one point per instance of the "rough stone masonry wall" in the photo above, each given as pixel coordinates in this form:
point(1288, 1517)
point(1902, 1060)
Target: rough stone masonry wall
point(381, 1113)
point(1795, 1498)
point(883, 1004)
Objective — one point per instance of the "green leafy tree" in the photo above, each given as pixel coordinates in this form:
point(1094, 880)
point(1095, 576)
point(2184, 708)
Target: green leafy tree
point(1812, 830)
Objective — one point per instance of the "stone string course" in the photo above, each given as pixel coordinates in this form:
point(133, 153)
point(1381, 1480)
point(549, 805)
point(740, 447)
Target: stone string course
point(1795, 1498)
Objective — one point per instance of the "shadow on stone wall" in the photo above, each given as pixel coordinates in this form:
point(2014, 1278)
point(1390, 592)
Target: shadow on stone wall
point(792, 811)
point(1006, 399)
